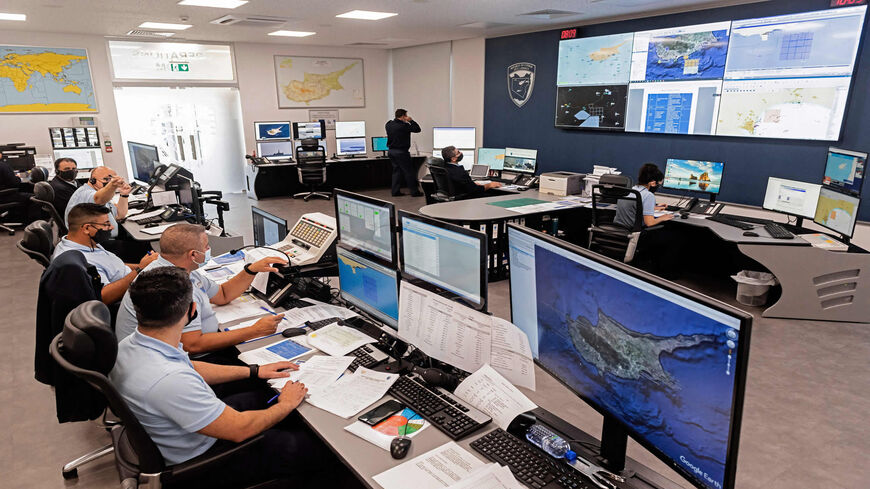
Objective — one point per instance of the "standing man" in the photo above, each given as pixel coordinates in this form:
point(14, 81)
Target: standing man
point(64, 183)
point(399, 142)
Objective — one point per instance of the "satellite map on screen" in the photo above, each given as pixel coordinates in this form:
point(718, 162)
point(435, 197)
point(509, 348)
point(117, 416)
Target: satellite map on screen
point(595, 60)
point(689, 56)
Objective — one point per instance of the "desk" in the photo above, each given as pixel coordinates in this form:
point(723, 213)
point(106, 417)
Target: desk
point(219, 244)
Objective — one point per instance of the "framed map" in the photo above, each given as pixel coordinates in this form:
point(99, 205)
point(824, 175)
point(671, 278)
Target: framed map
point(306, 82)
point(40, 79)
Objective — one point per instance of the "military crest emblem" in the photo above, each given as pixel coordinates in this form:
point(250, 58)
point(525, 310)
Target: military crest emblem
point(521, 81)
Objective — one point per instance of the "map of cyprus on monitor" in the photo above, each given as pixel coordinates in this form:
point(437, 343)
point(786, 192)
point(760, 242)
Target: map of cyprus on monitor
point(599, 60)
point(319, 82)
point(37, 79)
point(689, 56)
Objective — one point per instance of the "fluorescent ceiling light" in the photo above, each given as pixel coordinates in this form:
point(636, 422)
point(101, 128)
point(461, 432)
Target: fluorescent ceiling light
point(366, 15)
point(164, 34)
point(292, 33)
point(19, 17)
point(214, 3)
point(161, 25)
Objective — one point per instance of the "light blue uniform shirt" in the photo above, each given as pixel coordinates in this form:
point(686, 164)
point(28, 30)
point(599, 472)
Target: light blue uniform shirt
point(169, 397)
point(85, 195)
point(204, 289)
point(111, 267)
point(625, 208)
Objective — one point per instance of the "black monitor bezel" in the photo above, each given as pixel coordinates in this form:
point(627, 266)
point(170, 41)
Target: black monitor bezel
point(854, 221)
point(789, 213)
point(290, 141)
point(665, 173)
point(379, 137)
point(133, 166)
point(514, 170)
point(288, 138)
point(843, 151)
point(394, 259)
point(256, 210)
point(322, 129)
point(368, 308)
point(740, 364)
point(423, 283)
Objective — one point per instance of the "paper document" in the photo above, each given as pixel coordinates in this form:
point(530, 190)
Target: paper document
point(298, 316)
point(490, 392)
point(227, 258)
point(353, 393)
point(157, 229)
point(434, 469)
point(405, 423)
point(277, 352)
point(338, 340)
point(317, 373)
point(492, 476)
point(241, 307)
point(511, 354)
point(143, 215)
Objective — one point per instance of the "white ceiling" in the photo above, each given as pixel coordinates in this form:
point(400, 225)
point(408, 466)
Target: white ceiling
point(418, 22)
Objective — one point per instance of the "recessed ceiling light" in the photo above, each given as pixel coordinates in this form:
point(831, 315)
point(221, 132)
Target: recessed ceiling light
point(162, 25)
point(19, 17)
point(164, 34)
point(214, 3)
point(366, 15)
point(292, 33)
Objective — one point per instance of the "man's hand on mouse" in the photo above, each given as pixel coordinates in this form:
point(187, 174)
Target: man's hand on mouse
point(265, 264)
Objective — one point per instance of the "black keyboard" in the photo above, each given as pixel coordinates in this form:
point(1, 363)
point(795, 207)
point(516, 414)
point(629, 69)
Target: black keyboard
point(438, 407)
point(366, 356)
point(150, 220)
point(315, 325)
point(294, 303)
point(754, 220)
point(778, 231)
point(731, 222)
point(673, 208)
point(531, 466)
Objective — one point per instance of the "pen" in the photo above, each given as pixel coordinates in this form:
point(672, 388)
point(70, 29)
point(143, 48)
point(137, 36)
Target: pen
point(273, 399)
point(271, 312)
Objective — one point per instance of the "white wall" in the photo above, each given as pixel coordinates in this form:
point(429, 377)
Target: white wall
point(421, 85)
point(33, 129)
point(467, 84)
point(258, 88)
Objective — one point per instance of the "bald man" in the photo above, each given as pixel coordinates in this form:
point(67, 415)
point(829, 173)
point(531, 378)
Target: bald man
point(100, 189)
point(186, 246)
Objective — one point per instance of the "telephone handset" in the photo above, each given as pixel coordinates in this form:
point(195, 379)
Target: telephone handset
point(257, 160)
point(690, 205)
point(530, 181)
point(172, 214)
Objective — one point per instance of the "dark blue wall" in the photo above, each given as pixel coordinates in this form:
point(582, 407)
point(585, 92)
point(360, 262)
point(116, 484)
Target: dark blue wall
point(748, 162)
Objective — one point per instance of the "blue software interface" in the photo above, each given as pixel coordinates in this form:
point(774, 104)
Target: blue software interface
point(845, 170)
point(660, 363)
point(272, 130)
point(369, 286)
point(492, 157)
point(379, 144)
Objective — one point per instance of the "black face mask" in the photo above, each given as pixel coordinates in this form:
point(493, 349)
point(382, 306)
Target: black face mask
point(102, 236)
point(68, 175)
point(460, 157)
point(653, 189)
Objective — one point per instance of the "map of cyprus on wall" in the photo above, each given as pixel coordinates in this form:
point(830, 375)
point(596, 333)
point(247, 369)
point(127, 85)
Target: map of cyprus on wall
point(38, 79)
point(305, 82)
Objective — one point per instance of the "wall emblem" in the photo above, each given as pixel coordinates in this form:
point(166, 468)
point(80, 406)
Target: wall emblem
point(521, 81)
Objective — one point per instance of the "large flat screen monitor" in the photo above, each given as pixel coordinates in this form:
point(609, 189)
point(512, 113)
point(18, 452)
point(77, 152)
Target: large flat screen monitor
point(492, 157)
point(279, 150)
point(379, 143)
point(694, 175)
point(264, 131)
point(791, 197)
point(366, 224)
point(350, 146)
point(370, 286)
point(268, 229)
point(308, 130)
point(461, 137)
point(143, 159)
point(837, 211)
point(350, 129)
point(663, 364)
point(85, 158)
point(520, 160)
point(446, 258)
point(844, 170)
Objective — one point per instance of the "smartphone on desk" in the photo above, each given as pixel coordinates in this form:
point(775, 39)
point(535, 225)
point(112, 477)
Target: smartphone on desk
point(381, 412)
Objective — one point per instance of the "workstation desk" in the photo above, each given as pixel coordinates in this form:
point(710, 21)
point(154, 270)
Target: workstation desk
point(218, 244)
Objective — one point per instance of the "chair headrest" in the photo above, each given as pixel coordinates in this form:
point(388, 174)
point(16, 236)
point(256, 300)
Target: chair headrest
point(38, 174)
point(43, 191)
point(310, 143)
point(88, 340)
point(619, 180)
point(434, 160)
point(38, 237)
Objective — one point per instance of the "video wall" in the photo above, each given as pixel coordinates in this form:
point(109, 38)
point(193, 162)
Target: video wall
point(786, 76)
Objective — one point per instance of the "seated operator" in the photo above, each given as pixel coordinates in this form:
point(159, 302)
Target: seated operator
point(462, 182)
point(649, 179)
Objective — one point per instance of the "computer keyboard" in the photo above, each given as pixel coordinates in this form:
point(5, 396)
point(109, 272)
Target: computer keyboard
point(754, 220)
point(439, 407)
point(529, 465)
point(731, 222)
point(297, 303)
point(778, 231)
point(366, 356)
point(150, 220)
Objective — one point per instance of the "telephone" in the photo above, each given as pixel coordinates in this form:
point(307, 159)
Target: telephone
point(257, 160)
point(138, 189)
point(707, 208)
point(309, 239)
point(690, 205)
point(172, 214)
point(530, 181)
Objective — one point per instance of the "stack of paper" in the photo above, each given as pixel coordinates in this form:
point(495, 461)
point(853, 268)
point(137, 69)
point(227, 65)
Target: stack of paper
point(337, 340)
point(317, 373)
point(594, 177)
point(491, 393)
point(435, 469)
point(242, 307)
point(353, 393)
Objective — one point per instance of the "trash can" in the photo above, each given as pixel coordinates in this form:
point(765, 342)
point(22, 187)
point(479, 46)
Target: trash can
point(752, 287)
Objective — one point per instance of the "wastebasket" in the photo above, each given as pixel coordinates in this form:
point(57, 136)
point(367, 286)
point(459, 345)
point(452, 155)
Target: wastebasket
point(753, 287)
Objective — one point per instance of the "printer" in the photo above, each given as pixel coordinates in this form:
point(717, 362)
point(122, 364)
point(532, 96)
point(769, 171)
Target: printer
point(561, 183)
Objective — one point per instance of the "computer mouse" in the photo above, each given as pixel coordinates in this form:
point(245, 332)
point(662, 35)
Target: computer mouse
point(152, 225)
point(684, 215)
point(399, 447)
point(291, 332)
point(750, 233)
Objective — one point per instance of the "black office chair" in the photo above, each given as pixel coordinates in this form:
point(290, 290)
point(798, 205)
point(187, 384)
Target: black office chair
point(611, 238)
point(38, 174)
point(43, 196)
point(9, 221)
point(445, 191)
point(311, 166)
point(87, 348)
point(618, 180)
point(38, 242)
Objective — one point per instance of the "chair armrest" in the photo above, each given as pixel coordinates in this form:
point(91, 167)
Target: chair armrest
point(194, 466)
point(654, 228)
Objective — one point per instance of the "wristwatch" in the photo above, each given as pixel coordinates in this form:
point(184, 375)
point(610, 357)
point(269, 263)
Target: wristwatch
point(137, 269)
point(125, 196)
point(255, 371)
point(248, 270)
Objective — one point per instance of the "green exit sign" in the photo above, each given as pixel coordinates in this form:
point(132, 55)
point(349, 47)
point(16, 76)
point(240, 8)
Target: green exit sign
point(179, 66)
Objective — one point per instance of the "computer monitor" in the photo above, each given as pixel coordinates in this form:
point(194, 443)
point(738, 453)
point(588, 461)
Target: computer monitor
point(493, 157)
point(379, 143)
point(370, 286)
point(844, 170)
point(350, 129)
point(662, 364)
point(264, 131)
point(187, 191)
point(143, 159)
point(307, 130)
point(366, 224)
point(85, 158)
point(520, 160)
point(791, 197)
point(461, 137)
point(278, 150)
point(445, 258)
point(694, 175)
point(837, 211)
point(268, 229)
point(350, 146)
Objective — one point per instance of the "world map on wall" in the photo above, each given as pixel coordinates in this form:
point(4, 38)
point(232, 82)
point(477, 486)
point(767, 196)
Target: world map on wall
point(319, 82)
point(38, 79)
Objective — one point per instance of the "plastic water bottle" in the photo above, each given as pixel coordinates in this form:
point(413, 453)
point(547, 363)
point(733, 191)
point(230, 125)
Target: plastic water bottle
point(553, 444)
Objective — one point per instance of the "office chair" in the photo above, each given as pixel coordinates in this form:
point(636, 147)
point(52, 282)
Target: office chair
point(38, 242)
point(43, 196)
point(610, 238)
point(445, 191)
point(87, 348)
point(311, 166)
point(38, 174)
point(6, 211)
point(618, 180)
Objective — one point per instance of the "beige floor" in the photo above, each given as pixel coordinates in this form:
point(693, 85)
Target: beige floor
point(805, 421)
